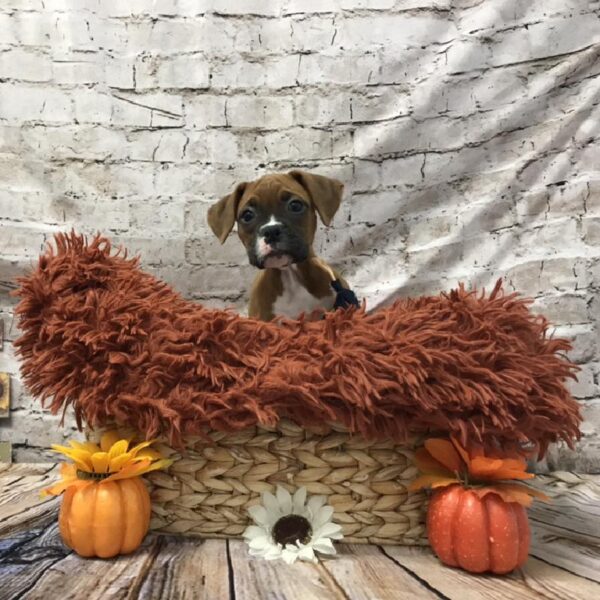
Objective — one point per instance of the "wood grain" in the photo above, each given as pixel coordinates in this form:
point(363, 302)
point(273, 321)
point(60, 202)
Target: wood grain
point(254, 578)
point(366, 573)
point(35, 565)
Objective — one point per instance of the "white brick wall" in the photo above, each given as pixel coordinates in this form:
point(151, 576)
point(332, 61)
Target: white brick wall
point(466, 133)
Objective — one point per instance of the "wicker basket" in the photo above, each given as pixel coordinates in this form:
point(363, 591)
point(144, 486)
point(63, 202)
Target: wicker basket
point(208, 490)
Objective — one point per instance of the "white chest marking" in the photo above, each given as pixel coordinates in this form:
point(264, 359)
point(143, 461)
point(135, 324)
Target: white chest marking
point(296, 299)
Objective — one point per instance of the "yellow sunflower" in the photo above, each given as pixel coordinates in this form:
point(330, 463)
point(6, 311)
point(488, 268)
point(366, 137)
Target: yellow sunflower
point(113, 459)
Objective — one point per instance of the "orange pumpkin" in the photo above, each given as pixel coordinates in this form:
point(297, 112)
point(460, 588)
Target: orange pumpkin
point(105, 518)
point(106, 506)
point(475, 532)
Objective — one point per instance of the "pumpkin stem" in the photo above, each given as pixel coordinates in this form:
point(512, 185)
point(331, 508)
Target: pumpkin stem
point(96, 476)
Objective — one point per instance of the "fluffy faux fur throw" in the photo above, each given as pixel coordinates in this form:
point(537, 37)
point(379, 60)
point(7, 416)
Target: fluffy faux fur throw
point(120, 345)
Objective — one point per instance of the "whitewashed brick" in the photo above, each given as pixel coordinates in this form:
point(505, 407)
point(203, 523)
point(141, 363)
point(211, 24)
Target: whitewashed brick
point(183, 72)
point(402, 171)
point(32, 28)
point(72, 31)
point(66, 142)
point(76, 72)
point(395, 30)
point(322, 109)
point(464, 132)
point(488, 15)
point(260, 112)
point(565, 309)
point(382, 104)
point(164, 215)
point(21, 241)
point(205, 111)
point(591, 231)
point(310, 6)
point(206, 250)
point(91, 106)
point(255, 7)
point(347, 67)
point(25, 65)
point(553, 36)
point(369, 4)
point(161, 146)
point(23, 103)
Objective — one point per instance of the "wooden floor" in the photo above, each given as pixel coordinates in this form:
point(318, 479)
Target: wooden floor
point(564, 562)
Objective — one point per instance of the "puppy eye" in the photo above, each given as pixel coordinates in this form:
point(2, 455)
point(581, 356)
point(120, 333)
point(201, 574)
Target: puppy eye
point(296, 206)
point(247, 216)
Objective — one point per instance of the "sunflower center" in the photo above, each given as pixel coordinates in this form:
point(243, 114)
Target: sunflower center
point(291, 529)
point(87, 475)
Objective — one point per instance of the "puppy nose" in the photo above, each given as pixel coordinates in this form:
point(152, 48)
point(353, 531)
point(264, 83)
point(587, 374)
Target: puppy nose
point(271, 233)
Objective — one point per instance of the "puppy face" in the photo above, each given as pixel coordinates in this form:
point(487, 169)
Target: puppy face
point(276, 216)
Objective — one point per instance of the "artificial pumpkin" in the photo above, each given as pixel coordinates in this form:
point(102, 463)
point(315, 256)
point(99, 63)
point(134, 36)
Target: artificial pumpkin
point(477, 534)
point(476, 519)
point(105, 509)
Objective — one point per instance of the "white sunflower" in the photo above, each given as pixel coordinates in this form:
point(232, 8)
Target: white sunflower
point(290, 528)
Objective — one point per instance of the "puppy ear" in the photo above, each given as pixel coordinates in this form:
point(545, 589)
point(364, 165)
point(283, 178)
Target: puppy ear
point(325, 193)
point(221, 215)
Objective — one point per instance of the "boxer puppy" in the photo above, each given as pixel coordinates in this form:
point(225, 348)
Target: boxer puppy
point(276, 218)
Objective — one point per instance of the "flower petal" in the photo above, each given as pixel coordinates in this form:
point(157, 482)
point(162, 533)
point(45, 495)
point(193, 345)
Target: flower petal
point(149, 453)
point(80, 457)
point(444, 452)
point(513, 492)
point(314, 504)
point(259, 543)
point(298, 500)
point(432, 481)
point(108, 439)
point(307, 553)
point(324, 546)
point(100, 462)
point(323, 516)
point(289, 554)
point(87, 446)
point(272, 505)
point(330, 529)
point(464, 455)
point(427, 464)
point(118, 448)
point(285, 500)
point(253, 531)
point(495, 468)
point(259, 515)
point(140, 446)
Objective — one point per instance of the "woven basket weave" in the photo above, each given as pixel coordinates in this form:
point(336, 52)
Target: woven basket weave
point(207, 491)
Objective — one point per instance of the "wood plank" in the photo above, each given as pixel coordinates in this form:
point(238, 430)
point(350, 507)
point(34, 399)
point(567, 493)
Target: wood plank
point(24, 561)
point(186, 568)
point(366, 573)
point(254, 578)
point(96, 579)
point(535, 580)
point(566, 532)
point(21, 506)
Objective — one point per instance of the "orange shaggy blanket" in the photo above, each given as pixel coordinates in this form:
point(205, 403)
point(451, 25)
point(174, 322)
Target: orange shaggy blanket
point(118, 344)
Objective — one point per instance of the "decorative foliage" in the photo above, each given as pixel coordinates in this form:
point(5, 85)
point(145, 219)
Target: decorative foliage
point(446, 462)
point(111, 461)
point(290, 528)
